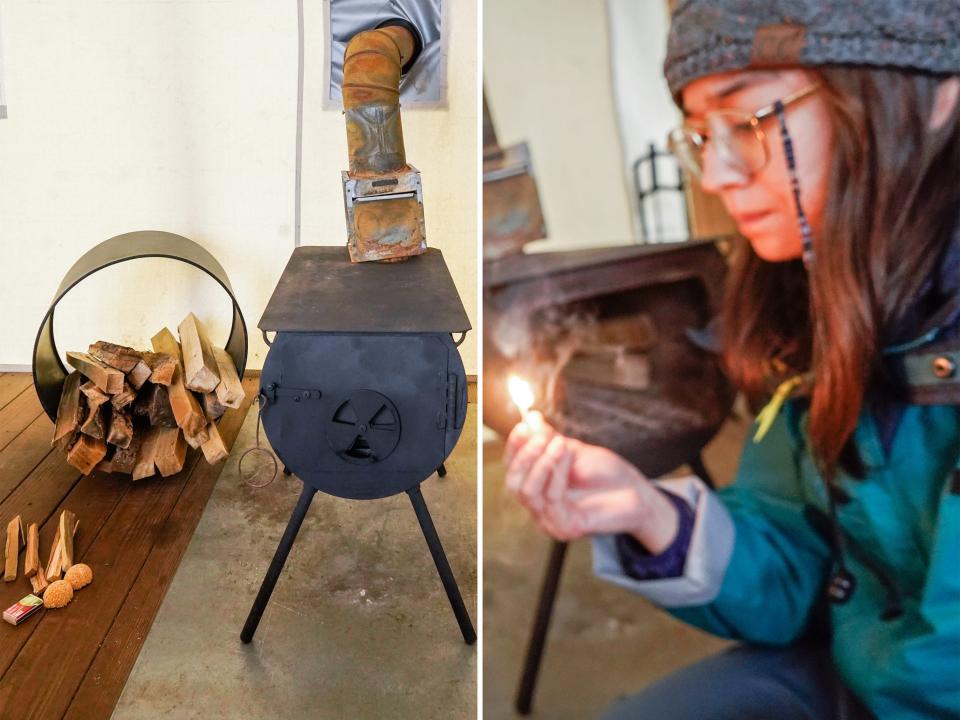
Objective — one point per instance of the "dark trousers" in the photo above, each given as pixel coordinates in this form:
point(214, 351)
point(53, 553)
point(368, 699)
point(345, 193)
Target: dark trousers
point(747, 683)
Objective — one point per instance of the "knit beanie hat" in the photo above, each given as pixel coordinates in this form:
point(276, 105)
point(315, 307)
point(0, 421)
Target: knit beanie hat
point(714, 36)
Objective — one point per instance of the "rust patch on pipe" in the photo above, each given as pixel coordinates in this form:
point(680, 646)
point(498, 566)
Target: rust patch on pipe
point(512, 215)
point(388, 229)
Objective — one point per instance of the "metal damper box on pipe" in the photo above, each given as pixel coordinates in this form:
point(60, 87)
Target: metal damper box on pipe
point(363, 393)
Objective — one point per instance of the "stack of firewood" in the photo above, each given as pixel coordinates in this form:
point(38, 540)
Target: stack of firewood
point(133, 411)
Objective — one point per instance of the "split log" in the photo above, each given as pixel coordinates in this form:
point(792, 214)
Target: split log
point(195, 441)
point(124, 397)
point(199, 366)
point(214, 449)
point(212, 407)
point(67, 441)
point(139, 375)
point(105, 465)
point(70, 410)
point(54, 570)
point(230, 390)
point(31, 562)
point(163, 365)
point(146, 457)
point(94, 424)
point(68, 523)
point(171, 451)
point(53, 562)
point(120, 357)
point(108, 379)
point(154, 404)
point(39, 581)
point(14, 538)
point(86, 453)
point(121, 430)
point(95, 394)
point(124, 460)
point(186, 409)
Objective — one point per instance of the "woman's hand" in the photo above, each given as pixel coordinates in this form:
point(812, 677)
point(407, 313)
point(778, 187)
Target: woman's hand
point(574, 489)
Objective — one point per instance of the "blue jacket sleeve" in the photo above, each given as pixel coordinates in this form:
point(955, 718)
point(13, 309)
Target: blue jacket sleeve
point(755, 569)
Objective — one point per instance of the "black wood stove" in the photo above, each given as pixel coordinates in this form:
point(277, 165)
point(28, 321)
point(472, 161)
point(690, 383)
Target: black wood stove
point(363, 393)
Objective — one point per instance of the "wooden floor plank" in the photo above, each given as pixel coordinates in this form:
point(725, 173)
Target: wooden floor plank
point(24, 453)
point(12, 385)
point(92, 500)
point(17, 414)
point(66, 641)
point(101, 687)
point(38, 496)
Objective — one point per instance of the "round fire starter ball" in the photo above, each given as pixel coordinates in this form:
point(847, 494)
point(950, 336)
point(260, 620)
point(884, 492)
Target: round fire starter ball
point(78, 575)
point(58, 594)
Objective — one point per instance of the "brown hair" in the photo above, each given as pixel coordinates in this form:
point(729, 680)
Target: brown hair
point(892, 206)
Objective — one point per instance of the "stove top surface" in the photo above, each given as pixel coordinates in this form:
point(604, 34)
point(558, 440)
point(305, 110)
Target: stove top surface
point(320, 290)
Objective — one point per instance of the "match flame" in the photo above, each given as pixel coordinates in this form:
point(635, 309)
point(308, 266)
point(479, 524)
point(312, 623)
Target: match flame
point(521, 393)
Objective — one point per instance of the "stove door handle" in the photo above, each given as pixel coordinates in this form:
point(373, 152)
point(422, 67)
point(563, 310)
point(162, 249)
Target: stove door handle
point(456, 401)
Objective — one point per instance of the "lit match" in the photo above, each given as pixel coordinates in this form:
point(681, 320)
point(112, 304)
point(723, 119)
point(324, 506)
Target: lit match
point(522, 395)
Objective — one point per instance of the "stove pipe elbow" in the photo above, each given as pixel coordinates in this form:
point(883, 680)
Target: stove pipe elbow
point(372, 65)
point(382, 194)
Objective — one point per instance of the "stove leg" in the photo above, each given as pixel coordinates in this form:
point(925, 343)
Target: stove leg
point(279, 559)
point(443, 567)
point(442, 470)
point(541, 624)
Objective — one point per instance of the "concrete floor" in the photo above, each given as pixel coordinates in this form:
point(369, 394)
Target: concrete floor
point(603, 641)
point(359, 625)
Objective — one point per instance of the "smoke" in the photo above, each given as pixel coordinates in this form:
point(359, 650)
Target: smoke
point(539, 342)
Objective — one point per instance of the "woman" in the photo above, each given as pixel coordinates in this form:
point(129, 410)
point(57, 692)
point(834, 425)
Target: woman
point(831, 132)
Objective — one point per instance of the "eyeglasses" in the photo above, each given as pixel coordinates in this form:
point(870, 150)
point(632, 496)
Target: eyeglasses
point(735, 136)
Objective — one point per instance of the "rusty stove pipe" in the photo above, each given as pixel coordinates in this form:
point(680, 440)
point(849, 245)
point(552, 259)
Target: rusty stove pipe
point(372, 65)
point(383, 196)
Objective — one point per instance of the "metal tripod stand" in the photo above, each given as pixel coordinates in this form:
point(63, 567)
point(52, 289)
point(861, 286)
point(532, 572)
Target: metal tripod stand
point(429, 534)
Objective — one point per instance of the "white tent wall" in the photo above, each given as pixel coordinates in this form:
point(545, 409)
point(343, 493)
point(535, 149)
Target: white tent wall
point(645, 111)
point(180, 116)
point(548, 82)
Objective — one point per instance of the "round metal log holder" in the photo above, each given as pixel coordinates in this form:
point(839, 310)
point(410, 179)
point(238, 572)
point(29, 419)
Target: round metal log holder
point(49, 372)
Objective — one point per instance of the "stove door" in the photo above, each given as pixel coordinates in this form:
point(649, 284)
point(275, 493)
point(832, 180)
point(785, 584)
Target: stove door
point(363, 416)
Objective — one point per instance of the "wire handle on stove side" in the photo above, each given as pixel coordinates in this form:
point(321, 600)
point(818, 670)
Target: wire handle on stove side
point(261, 399)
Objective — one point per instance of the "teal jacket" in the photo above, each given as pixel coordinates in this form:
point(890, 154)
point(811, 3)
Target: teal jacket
point(759, 558)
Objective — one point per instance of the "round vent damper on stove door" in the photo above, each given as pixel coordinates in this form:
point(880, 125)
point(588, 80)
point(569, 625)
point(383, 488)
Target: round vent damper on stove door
point(365, 429)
